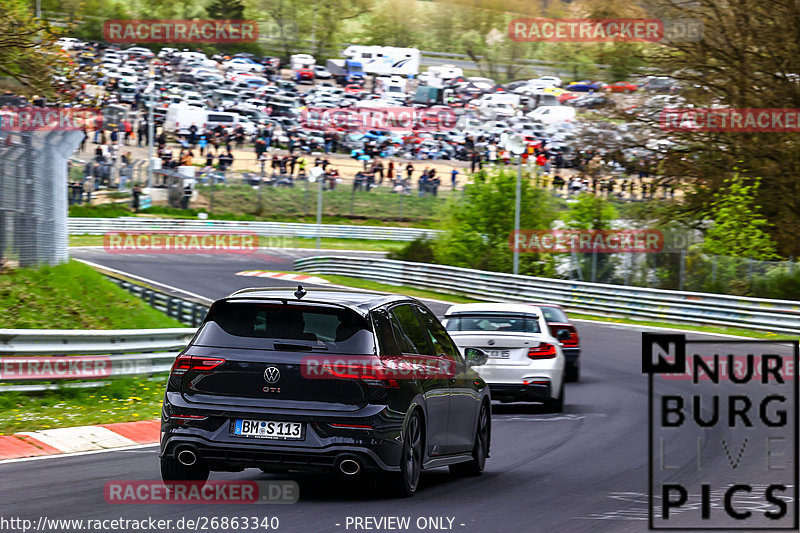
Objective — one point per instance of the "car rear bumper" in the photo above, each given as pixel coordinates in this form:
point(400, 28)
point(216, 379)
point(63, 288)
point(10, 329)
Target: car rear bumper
point(531, 392)
point(373, 438)
point(217, 456)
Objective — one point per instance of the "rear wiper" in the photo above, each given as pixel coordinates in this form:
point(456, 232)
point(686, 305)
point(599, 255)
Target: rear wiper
point(298, 347)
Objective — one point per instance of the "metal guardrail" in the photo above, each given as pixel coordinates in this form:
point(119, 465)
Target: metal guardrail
point(123, 353)
point(186, 311)
point(99, 226)
point(778, 316)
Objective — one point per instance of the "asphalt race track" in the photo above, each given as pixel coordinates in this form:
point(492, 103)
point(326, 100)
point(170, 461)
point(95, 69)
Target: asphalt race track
point(583, 470)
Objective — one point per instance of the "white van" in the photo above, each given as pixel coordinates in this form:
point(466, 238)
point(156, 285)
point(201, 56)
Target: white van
point(507, 98)
point(550, 114)
point(180, 118)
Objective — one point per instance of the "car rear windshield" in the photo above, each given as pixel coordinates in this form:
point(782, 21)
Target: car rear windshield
point(554, 314)
point(512, 323)
point(286, 327)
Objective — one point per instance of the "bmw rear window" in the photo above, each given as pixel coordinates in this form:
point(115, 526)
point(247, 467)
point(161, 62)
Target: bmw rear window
point(286, 327)
point(489, 322)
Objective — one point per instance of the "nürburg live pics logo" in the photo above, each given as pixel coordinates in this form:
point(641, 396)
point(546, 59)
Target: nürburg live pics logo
point(723, 433)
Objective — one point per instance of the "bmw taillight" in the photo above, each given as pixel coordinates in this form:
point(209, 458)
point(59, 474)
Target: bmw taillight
point(185, 362)
point(543, 350)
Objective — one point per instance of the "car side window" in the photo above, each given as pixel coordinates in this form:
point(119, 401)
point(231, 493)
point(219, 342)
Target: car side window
point(410, 331)
point(443, 345)
point(385, 332)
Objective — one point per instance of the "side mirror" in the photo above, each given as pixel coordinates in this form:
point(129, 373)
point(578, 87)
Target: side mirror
point(563, 335)
point(475, 356)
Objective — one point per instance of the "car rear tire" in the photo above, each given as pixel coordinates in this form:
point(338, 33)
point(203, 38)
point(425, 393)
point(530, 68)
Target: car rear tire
point(404, 483)
point(556, 405)
point(480, 450)
point(172, 470)
point(573, 372)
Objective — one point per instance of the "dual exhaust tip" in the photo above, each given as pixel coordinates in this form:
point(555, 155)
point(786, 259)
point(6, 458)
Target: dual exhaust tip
point(347, 465)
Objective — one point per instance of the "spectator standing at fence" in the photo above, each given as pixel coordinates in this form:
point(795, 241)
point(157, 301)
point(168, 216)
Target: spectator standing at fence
point(141, 132)
point(136, 193)
point(475, 161)
point(260, 147)
point(378, 169)
point(453, 178)
point(409, 170)
point(88, 187)
point(202, 142)
point(128, 127)
point(390, 171)
point(226, 161)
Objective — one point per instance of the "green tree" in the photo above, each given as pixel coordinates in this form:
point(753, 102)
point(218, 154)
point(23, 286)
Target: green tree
point(591, 212)
point(738, 228)
point(226, 9)
point(480, 225)
point(27, 53)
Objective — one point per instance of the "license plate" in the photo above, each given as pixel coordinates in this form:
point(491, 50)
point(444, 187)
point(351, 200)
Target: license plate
point(499, 354)
point(267, 429)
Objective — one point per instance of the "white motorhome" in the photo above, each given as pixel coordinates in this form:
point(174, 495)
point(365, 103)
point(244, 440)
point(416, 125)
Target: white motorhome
point(385, 60)
point(393, 85)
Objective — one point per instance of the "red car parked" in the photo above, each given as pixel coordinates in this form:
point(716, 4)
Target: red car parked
point(622, 87)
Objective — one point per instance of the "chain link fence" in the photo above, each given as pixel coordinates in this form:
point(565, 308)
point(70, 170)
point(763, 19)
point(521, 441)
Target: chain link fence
point(33, 196)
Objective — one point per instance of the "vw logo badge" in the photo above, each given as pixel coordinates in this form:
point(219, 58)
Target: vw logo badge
point(272, 374)
point(491, 342)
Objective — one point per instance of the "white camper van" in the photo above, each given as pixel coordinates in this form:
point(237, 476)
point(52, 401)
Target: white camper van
point(385, 60)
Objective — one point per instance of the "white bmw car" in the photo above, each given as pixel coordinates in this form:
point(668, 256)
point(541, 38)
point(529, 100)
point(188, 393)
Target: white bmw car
point(525, 363)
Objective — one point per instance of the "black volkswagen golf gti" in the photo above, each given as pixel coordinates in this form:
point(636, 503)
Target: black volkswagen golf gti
point(335, 380)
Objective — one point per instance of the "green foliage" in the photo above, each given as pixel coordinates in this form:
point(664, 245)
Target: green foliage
point(226, 9)
point(780, 283)
point(420, 250)
point(590, 212)
point(479, 226)
point(738, 229)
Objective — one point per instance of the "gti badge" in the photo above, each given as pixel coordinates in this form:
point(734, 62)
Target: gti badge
point(272, 374)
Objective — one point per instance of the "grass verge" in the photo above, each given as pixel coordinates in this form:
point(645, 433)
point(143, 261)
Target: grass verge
point(72, 296)
point(123, 400)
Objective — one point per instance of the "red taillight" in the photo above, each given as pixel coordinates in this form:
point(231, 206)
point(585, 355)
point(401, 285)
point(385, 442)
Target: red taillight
point(182, 364)
point(542, 351)
point(350, 426)
point(188, 417)
point(201, 364)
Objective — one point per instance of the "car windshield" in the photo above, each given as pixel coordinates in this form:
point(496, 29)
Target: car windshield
point(278, 326)
point(495, 322)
